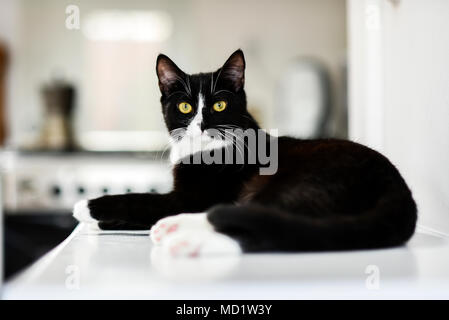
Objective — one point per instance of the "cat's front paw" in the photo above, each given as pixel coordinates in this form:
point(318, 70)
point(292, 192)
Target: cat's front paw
point(175, 224)
point(82, 212)
point(100, 215)
point(99, 209)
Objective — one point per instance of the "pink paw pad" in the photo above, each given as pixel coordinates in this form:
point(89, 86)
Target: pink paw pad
point(172, 228)
point(174, 250)
point(161, 230)
point(185, 248)
point(195, 253)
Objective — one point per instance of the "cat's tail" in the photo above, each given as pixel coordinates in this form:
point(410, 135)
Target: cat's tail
point(259, 228)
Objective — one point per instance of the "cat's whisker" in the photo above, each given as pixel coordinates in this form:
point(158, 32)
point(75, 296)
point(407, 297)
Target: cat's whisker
point(240, 151)
point(167, 145)
point(238, 138)
point(188, 82)
point(211, 82)
point(237, 146)
point(187, 88)
point(176, 92)
point(223, 90)
point(216, 80)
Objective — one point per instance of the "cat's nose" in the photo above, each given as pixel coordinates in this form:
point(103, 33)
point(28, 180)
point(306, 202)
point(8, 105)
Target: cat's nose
point(202, 126)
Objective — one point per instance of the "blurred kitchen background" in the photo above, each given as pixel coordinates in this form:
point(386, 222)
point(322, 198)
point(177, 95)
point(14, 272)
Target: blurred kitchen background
point(81, 113)
point(79, 104)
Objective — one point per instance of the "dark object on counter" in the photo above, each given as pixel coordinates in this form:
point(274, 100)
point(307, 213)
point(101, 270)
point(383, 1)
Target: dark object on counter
point(57, 132)
point(27, 237)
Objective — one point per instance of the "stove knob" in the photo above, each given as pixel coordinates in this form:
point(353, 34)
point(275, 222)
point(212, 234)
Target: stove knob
point(55, 191)
point(81, 190)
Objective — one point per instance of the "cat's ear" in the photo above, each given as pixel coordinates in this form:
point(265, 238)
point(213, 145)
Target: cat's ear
point(168, 73)
point(234, 70)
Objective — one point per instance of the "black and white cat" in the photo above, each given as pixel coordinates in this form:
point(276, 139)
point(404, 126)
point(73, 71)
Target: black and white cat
point(325, 195)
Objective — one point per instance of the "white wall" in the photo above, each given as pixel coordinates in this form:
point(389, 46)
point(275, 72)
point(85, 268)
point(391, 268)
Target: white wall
point(205, 34)
point(402, 65)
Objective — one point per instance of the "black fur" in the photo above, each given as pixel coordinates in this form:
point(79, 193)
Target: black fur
point(326, 195)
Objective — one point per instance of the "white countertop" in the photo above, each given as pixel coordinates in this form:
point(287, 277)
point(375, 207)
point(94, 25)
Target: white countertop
point(125, 265)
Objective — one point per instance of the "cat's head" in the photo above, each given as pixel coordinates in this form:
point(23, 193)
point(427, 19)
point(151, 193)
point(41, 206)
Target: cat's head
point(194, 104)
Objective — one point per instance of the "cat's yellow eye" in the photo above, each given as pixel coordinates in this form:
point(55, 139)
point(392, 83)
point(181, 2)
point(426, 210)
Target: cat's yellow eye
point(219, 106)
point(184, 107)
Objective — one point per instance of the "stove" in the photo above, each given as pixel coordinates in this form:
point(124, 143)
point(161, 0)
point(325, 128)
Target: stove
point(52, 182)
